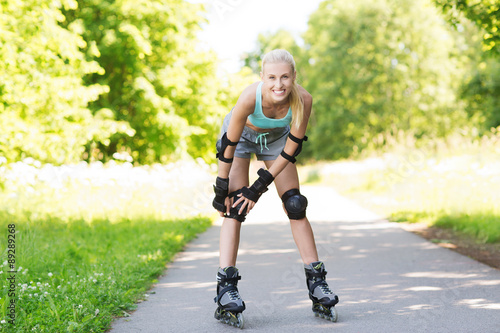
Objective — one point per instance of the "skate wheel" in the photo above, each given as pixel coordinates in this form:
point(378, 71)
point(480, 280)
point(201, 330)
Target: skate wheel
point(217, 314)
point(230, 318)
point(325, 312)
point(241, 320)
point(334, 315)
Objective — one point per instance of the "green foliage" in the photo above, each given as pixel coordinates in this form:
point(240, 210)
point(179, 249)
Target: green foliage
point(485, 13)
point(376, 68)
point(481, 87)
point(483, 226)
point(482, 94)
point(90, 78)
point(93, 78)
point(43, 99)
point(160, 83)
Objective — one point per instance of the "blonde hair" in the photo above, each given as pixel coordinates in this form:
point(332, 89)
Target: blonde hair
point(295, 97)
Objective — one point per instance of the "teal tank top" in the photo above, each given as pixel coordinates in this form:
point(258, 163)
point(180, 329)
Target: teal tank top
point(258, 119)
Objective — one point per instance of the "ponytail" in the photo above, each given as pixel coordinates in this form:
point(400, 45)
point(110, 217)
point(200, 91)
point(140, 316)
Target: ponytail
point(297, 105)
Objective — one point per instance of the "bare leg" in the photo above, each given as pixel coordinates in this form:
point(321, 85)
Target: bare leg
point(230, 231)
point(304, 238)
point(229, 242)
point(323, 302)
point(301, 229)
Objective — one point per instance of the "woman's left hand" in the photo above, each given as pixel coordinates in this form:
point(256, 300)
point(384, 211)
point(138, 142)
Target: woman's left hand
point(245, 203)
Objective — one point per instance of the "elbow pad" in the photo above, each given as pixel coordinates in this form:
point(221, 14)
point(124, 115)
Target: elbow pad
point(224, 142)
point(297, 151)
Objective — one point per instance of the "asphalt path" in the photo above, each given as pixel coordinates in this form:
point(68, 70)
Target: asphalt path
point(387, 279)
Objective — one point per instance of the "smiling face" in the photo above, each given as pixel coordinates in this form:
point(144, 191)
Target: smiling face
point(278, 80)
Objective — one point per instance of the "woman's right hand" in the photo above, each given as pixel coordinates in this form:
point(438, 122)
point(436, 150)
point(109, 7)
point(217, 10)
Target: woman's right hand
point(227, 202)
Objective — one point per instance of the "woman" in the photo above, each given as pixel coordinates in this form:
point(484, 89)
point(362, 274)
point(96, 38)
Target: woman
point(269, 120)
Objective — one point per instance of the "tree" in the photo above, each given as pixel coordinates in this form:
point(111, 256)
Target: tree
point(485, 13)
point(481, 89)
point(160, 82)
point(378, 67)
point(43, 100)
point(482, 94)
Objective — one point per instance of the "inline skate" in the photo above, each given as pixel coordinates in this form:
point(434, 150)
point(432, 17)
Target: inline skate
point(230, 305)
point(324, 300)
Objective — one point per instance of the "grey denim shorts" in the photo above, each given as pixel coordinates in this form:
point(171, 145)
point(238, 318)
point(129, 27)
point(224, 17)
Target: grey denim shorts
point(266, 146)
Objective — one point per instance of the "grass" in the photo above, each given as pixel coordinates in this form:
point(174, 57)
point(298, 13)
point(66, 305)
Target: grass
point(91, 242)
point(450, 184)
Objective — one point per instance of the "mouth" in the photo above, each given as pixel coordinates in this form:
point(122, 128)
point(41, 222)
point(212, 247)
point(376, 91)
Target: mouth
point(279, 92)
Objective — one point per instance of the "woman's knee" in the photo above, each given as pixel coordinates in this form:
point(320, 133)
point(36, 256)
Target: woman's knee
point(295, 204)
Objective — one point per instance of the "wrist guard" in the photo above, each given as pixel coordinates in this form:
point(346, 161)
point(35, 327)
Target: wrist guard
point(259, 186)
point(221, 189)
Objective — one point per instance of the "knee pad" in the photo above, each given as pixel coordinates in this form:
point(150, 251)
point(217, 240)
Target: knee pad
point(295, 204)
point(233, 212)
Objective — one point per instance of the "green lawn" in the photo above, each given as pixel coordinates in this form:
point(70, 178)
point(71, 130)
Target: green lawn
point(87, 248)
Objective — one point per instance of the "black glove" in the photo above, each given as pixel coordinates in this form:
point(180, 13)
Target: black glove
point(259, 186)
point(220, 188)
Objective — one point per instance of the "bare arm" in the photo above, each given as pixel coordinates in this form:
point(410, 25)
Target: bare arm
point(299, 132)
point(243, 108)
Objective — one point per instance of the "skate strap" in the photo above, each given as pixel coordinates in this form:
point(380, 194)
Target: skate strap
point(223, 291)
point(233, 280)
point(320, 275)
point(320, 279)
point(316, 284)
